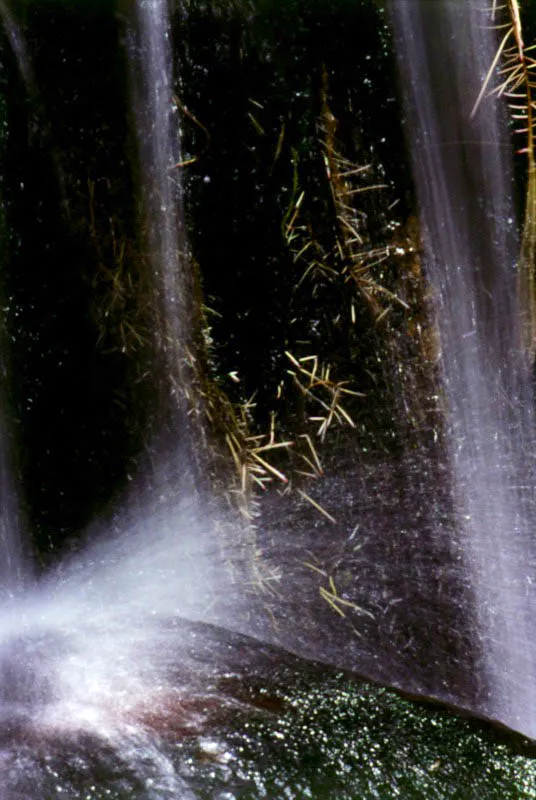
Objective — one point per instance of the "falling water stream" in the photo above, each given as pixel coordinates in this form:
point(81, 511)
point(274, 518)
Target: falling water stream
point(157, 130)
point(15, 569)
point(464, 181)
point(98, 647)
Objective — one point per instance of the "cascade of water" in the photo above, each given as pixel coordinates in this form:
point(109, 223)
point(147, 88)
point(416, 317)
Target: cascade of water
point(464, 183)
point(116, 604)
point(157, 131)
point(194, 541)
point(103, 627)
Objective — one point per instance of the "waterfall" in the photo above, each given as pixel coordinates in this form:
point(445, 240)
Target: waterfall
point(157, 131)
point(463, 178)
point(107, 616)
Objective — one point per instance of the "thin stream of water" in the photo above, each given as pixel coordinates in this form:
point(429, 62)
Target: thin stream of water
point(15, 567)
point(158, 133)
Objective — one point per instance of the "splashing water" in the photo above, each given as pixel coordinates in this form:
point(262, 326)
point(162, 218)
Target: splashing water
point(463, 178)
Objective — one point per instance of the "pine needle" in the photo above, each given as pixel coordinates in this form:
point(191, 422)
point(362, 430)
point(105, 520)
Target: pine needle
point(316, 505)
point(491, 71)
point(270, 467)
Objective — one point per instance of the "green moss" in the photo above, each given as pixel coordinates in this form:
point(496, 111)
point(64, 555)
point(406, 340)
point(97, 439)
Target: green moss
point(347, 741)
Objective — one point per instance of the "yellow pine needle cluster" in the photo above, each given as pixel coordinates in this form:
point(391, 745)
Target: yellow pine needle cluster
point(314, 380)
point(252, 456)
point(330, 594)
point(349, 182)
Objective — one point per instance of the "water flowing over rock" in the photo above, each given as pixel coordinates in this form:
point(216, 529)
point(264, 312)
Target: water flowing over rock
point(464, 181)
